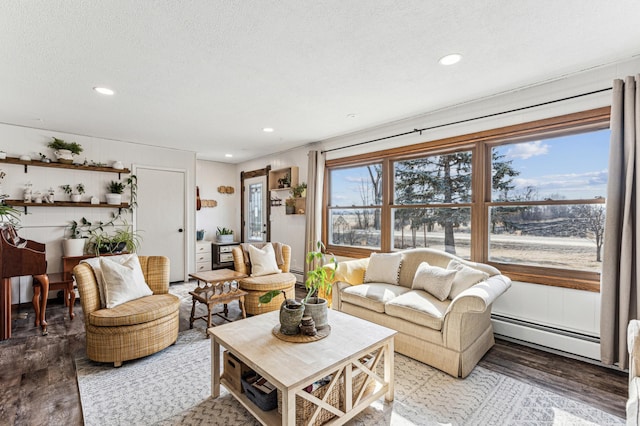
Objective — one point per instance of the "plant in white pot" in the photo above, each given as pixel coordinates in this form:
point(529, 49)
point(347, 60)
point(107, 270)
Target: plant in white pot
point(319, 281)
point(74, 245)
point(115, 189)
point(64, 151)
point(224, 235)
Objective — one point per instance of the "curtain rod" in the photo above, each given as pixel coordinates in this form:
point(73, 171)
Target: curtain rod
point(468, 120)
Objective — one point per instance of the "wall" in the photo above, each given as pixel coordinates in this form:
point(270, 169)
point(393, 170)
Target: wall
point(47, 225)
point(209, 176)
point(564, 314)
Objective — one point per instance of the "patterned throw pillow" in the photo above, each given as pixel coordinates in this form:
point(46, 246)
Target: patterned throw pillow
point(383, 268)
point(434, 280)
point(465, 278)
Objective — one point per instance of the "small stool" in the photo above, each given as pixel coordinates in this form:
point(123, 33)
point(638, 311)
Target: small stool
point(42, 284)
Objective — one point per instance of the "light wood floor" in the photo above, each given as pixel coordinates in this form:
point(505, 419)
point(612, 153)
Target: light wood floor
point(38, 384)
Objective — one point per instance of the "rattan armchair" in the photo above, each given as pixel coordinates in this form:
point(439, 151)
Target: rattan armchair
point(257, 286)
point(133, 329)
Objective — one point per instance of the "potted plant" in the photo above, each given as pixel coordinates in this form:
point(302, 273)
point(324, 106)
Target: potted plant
point(76, 195)
point(291, 312)
point(9, 215)
point(319, 279)
point(290, 206)
point(122, 239)
point(64, 151)
point(115, 189)
point(74, 245)
point(224, 235)
point(285, 181)
point(299, 191)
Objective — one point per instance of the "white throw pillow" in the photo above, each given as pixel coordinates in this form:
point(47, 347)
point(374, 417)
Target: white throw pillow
point(434, 280)
point(94, 262)
point(123, 282)
point(383, 268)
point(263, 261)
point(465, 278)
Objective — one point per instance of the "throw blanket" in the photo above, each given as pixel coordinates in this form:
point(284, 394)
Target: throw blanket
point(277, 249)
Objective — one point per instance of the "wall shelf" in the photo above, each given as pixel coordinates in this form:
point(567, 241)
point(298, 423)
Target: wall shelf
point(274, 175)
point(37, 163)
point(20, 203)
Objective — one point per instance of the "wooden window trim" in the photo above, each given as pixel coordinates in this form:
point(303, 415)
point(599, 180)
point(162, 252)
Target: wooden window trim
point(480, 143)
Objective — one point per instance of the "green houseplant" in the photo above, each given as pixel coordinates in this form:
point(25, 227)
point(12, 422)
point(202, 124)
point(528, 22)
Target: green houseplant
point(117, 241)
point(224, 235)
point(60, 144)
point(319, 281)
point(290, 206)
point(116, 188)
point(299, 191)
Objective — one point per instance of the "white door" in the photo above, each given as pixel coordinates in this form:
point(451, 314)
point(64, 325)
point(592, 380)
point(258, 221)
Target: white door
point(160, 216)
point(256, 197)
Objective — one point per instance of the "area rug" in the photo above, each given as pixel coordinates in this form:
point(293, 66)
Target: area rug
point(173, 387)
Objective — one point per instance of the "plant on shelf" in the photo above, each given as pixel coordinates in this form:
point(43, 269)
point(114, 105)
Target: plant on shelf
point(116, 188)
point(285, 181)
point(298, 190)
point(9, 215)
point(43, 158)
point(290, 206)
point(66, 189)
point(59, 144)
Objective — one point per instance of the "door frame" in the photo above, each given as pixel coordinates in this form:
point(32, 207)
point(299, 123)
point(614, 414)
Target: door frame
point(249, 175)
point(188, 234)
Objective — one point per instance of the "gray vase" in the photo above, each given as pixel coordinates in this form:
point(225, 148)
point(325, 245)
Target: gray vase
point(290, 319)
point(317, 308)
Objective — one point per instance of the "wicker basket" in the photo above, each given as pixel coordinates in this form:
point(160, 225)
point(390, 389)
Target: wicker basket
point(360, 380)
point(305, 409)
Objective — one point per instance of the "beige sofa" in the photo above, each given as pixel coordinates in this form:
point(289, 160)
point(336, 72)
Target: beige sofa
point(451, 335)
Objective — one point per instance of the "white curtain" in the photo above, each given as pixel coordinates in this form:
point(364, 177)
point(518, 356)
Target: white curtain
point(619, 284)
point(315, 180)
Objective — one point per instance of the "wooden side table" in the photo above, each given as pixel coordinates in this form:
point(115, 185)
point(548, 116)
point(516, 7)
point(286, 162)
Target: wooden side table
point(213, 293)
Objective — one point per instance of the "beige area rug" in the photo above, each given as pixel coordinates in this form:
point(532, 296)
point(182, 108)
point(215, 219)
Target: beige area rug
point(173, 387)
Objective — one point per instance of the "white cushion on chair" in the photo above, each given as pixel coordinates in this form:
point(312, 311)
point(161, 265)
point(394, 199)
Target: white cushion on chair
point(263, 261)
point(123, 282)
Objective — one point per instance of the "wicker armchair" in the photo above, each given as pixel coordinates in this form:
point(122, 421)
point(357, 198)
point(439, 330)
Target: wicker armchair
point(257, 286)
point(133, 329)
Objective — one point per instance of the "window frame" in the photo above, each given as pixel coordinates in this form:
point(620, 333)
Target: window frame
point(480, 145)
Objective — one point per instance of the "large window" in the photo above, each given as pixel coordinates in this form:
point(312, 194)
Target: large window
point(355, 206)
point(528, 199)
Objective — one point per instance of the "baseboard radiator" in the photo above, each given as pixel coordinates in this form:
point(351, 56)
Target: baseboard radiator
point(299, 276)
point(551, 339)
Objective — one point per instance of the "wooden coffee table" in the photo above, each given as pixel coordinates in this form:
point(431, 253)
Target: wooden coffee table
point(213, 292)
point(291, 367)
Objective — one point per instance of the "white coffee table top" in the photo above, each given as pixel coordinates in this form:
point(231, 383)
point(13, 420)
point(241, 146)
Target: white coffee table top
point(289, 364)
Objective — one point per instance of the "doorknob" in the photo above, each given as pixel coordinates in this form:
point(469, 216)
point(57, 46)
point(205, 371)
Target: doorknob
point(180, 230)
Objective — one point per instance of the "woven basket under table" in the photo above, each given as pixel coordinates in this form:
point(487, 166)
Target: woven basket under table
point(305, 409)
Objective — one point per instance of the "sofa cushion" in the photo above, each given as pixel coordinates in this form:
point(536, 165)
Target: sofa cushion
point(465, 278)
point(139, 311)
point(434, 280)
point(383, 268)
point(280, 281)
point(263, 261)
point(372, 296)
point(418, 307)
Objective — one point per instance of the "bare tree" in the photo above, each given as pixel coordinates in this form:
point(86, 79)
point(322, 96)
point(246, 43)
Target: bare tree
point(592, 217)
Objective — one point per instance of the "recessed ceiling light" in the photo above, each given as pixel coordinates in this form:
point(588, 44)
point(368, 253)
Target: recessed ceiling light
point(228, 155)
point(104, 91)
point(454, 58)
point(351, 115)
point(268, 129)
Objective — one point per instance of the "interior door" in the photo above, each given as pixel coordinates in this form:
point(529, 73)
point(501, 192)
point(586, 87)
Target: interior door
point(160, 216)
point(256, 197)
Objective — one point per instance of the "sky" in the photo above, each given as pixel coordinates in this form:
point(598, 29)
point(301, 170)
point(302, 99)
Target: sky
point(569, 167)
point(574, 167)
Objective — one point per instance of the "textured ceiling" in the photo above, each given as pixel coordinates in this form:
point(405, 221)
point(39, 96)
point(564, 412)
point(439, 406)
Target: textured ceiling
point(207, 76)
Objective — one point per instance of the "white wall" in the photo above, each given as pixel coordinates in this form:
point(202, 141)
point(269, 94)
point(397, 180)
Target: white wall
point(209, 176)
point(559, 308)
point(47, 225)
